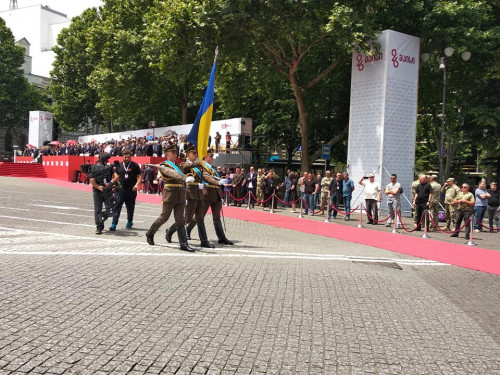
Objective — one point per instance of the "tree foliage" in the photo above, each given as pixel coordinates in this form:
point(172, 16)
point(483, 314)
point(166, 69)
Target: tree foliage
point(17, 96)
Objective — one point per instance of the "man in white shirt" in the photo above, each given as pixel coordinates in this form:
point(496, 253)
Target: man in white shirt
point(373, 195)
point(393, 191)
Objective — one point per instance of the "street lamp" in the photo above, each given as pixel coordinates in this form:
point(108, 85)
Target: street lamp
point(448, 51)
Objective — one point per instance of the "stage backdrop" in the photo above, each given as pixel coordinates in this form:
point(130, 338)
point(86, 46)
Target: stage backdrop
point(383, 114)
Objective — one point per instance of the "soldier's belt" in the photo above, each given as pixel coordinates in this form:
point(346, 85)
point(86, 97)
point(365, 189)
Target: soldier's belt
point(212, 186)
point(174, 185)
point(192, 183)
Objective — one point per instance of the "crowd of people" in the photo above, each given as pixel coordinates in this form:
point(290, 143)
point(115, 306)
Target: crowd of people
point(261, 187)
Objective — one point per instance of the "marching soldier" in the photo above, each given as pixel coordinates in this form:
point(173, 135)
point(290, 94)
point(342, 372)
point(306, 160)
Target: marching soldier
point(194, 194)
point(213, 198)
point(173, 198)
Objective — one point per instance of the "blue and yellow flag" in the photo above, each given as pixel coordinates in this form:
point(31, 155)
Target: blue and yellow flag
point(201, 127)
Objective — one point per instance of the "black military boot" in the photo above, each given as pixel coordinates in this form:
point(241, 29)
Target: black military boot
point(202, 232)
point(220, 233)
point(181, 233)
point(170, 232)
point(189, 229)
point(150, 234)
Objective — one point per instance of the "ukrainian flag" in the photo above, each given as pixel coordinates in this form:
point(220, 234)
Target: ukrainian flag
point(201, 128)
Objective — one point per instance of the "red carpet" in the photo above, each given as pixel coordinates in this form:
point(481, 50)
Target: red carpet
point(475, 258)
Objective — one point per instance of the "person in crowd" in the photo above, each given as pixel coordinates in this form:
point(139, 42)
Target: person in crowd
point(373, 195)
point(286, 185)
point(450, 190)
point(422, 200)
point(218, 138)
point(244, 189)
point(173, 197)
point(325, 190)
point(251, 183)
point(493, 207)
point(414, 185)
point(127, 177)
point(228, 187)
point(393, 192)
point(463, 202)
point(270, 184)
point(335, 195)
point(301, 183)
point(311, 188)
point(148, 177)
point(347, 189)
point(260, 192)
point(293, 195)
point(228, 142)
point(237, 181)
point(481, 196)
point(434, 206)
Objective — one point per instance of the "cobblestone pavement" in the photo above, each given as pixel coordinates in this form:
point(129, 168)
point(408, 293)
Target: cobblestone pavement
point(278, 302)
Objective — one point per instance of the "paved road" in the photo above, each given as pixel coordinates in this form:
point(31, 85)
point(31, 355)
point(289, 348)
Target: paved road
point(280, 301)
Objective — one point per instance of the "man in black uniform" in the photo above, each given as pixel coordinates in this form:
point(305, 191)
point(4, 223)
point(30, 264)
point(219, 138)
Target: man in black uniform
point(127, 177)
point(100, 178)
point(173, 198)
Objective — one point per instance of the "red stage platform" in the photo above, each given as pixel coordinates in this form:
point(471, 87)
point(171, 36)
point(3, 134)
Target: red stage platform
point(64, 167)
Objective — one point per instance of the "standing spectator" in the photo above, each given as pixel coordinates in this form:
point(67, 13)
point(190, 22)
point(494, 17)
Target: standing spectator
point(414, 185)
point(373, 195)
point(148, 176)
point(228, 142)
point(311, 188)
point(335, 194)
point(434, 206)
point(287, 185)
point(464, 201)
point(128, 175)
point(251, 179)
point(269, 187)
point(493, 207)
point(325, 191)
point(218, 137)
point(347, 189)
point(301, 183)
point(450, 190)
point(244, 188)
point(260, 193)
point(481, 202)
point(228, 187)
point(422, 200)
point(294, 178)
point(237, 181)
point(393, 191)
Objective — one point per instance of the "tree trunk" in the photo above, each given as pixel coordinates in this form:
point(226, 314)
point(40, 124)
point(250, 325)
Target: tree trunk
point(184, 101)
point(301, 107)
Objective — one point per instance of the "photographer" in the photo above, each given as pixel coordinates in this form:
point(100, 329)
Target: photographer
point(128, 177)
point(100, 178)
point(373, 195)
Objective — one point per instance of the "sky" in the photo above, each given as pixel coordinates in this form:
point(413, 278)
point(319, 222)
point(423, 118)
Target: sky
point(71, 8)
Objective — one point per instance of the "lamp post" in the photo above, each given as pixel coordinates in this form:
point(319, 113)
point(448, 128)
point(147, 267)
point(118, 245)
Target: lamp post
point(152, 125)
point(448, 52)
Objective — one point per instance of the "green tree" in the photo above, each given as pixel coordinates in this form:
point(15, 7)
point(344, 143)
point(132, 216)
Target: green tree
point(180, 45)
point(303, 41)
point(17, 96)
point(77, 55)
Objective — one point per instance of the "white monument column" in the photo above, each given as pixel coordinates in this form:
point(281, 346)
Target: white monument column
point(383, 114)
point(40, 129)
